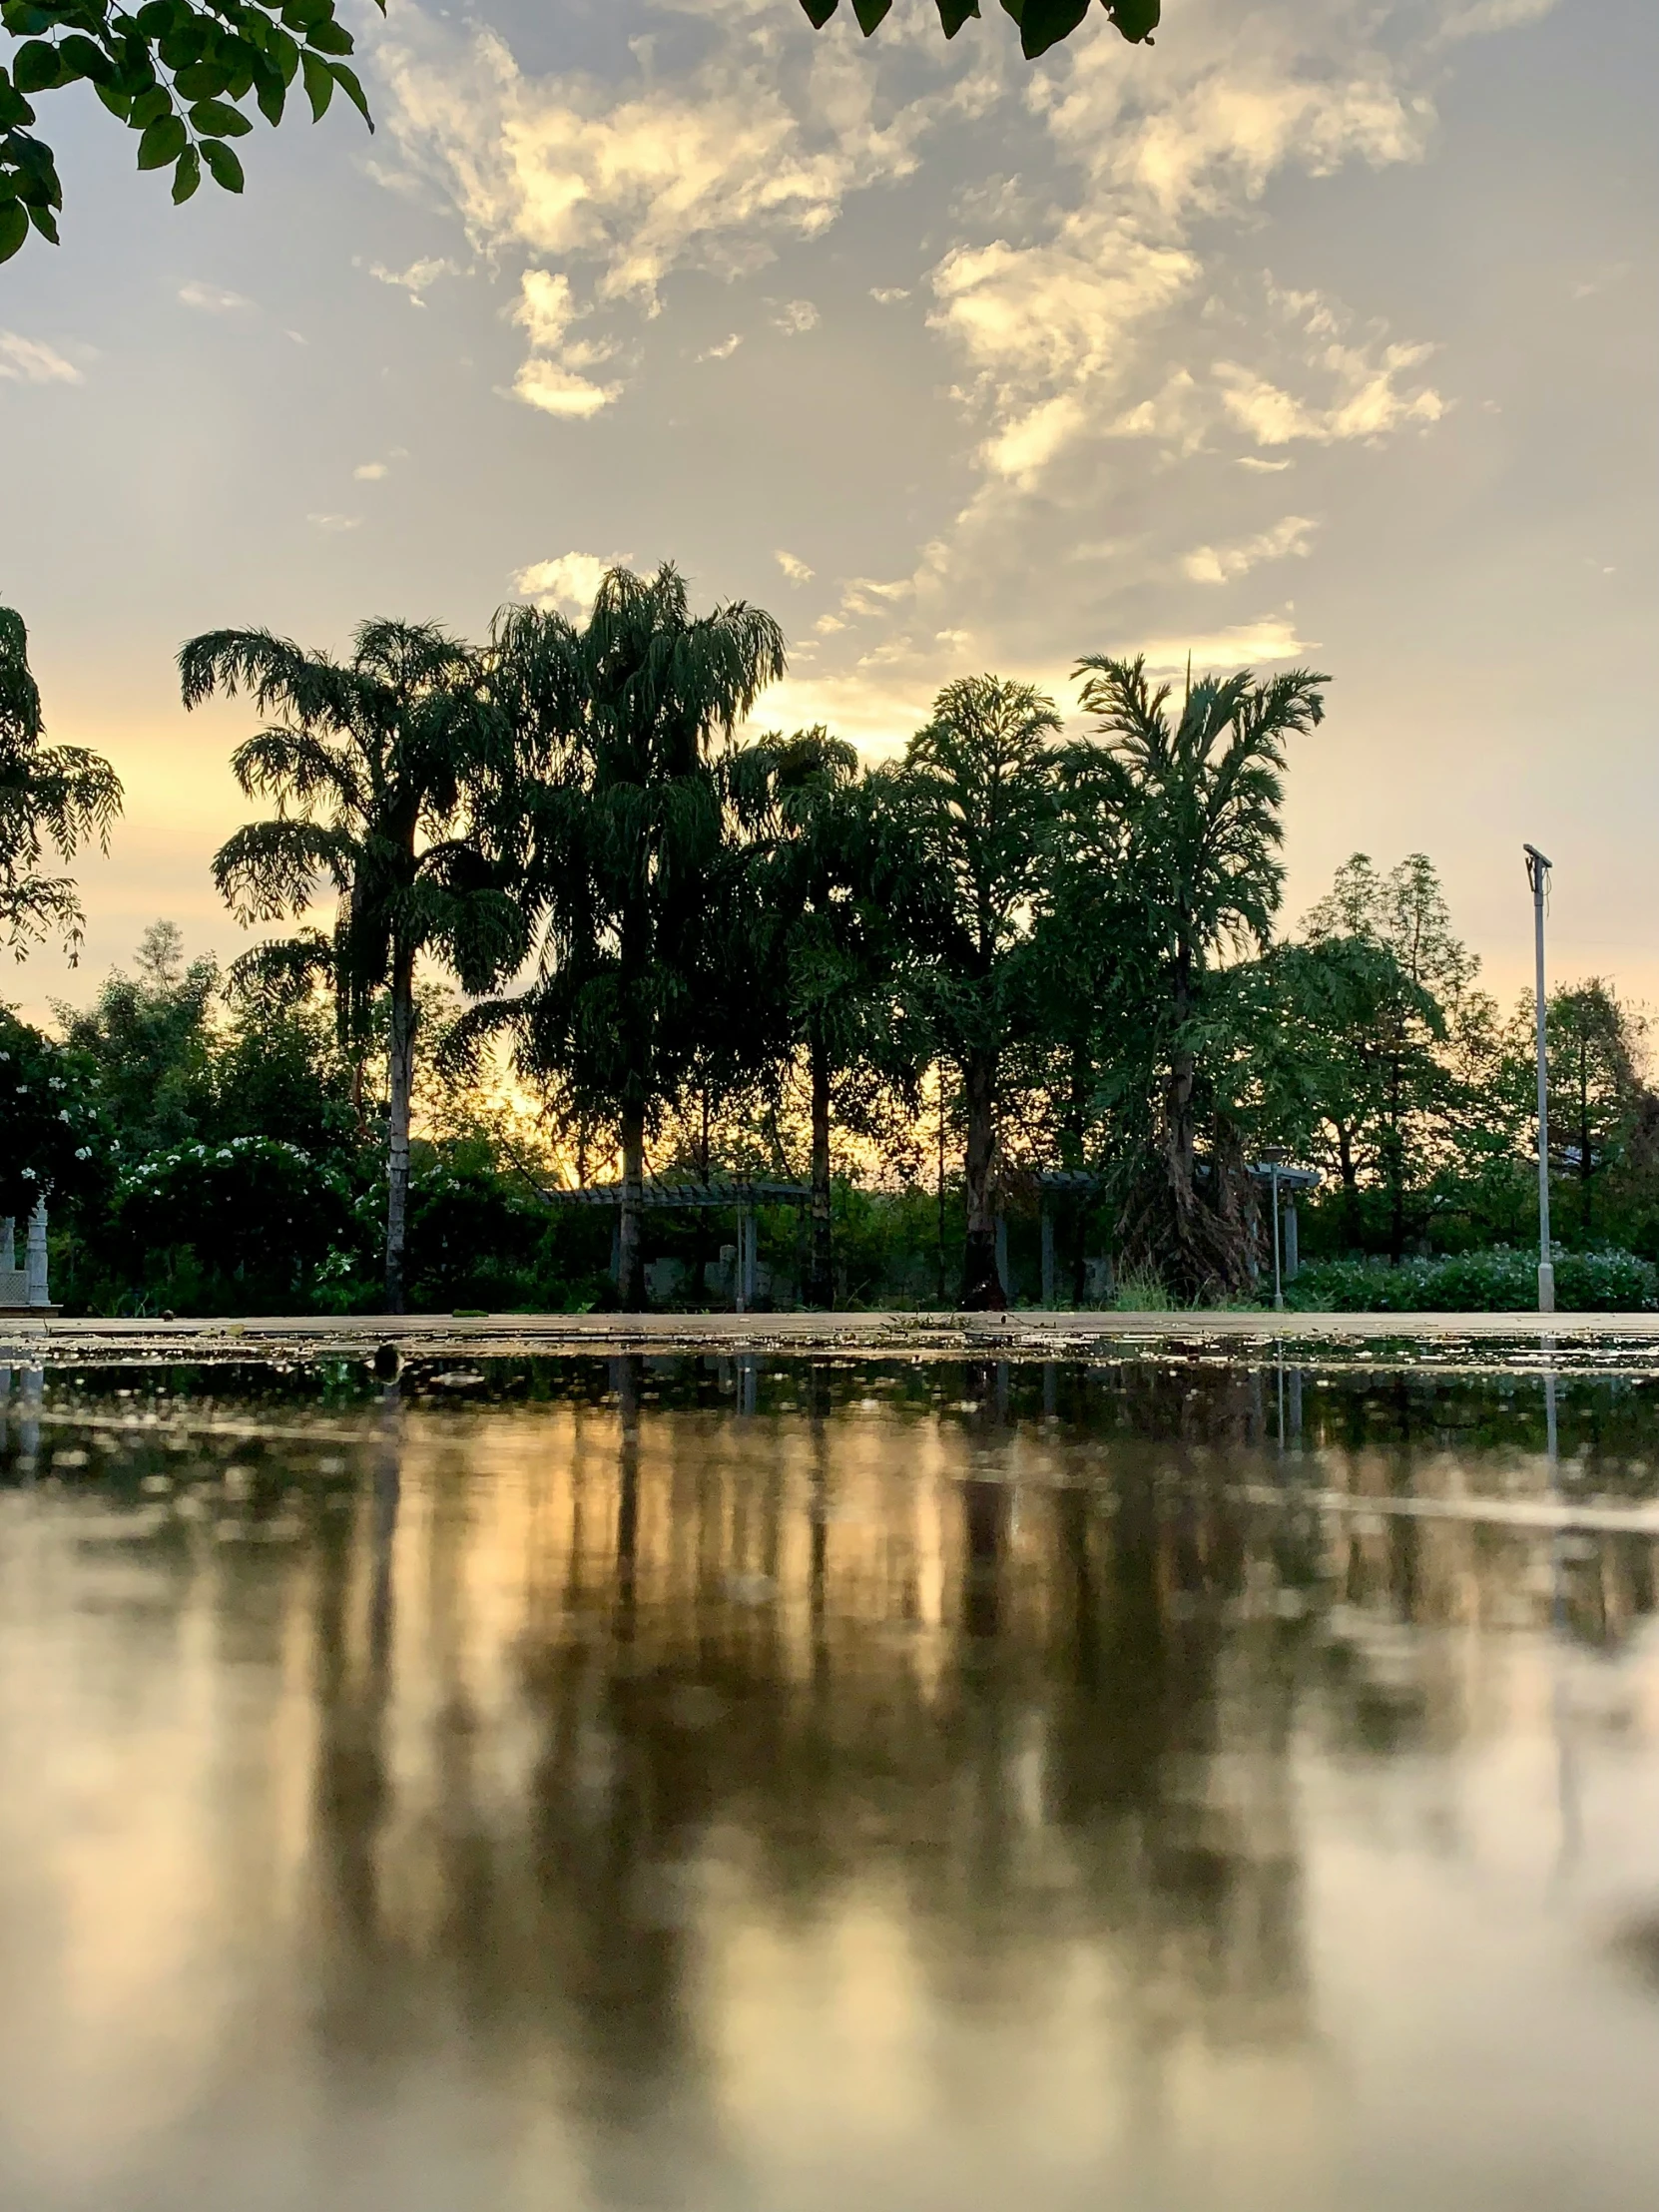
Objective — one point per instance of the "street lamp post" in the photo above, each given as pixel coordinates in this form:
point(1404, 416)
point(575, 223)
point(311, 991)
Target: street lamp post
point(1537, 874)
point(1274, 1159)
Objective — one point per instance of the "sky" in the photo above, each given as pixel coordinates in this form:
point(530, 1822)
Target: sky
point(1320, 332)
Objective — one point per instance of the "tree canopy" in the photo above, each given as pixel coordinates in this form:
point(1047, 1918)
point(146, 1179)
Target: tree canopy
point(181, 74)
point(1042, 23)
point(60, 795)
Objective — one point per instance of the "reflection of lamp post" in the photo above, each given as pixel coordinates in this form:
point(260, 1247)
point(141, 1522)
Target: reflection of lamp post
point(1537, 874)
point(1274, 1156)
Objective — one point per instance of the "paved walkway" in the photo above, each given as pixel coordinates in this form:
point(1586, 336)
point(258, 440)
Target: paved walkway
point(1022, 1334)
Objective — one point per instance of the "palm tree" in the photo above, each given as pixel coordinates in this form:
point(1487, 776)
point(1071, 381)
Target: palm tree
point(380, 767)
point(1195, 803)
point(50, 795)
point(977, 793)
point(633, 869)
point(831, 881)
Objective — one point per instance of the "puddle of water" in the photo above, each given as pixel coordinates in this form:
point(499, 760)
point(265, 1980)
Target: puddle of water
point(762, 1786)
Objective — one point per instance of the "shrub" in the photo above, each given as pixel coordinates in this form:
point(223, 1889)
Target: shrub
point(1497, 1281)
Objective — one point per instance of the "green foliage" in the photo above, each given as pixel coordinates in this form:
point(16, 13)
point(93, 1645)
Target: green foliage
point(1496, 1281)
point(382, 769)
point(181, 74)
point(50, 795)
point(1042, 23)
point(623, 830)
point(53, 1142)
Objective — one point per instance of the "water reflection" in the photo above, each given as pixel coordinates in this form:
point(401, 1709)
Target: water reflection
point(1169, 1785)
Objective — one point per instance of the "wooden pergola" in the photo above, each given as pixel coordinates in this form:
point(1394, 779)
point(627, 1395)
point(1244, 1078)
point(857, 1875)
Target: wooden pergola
point(742, 1195)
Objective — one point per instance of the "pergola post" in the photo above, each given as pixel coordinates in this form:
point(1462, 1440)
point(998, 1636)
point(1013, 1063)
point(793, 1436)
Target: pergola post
point(34, 1258)
point(1002, 1253)
point(1046, 1218)
point(1292, 1256)
point(748, 1286)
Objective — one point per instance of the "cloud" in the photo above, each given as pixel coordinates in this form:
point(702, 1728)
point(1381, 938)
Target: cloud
point(211, 300)
point(1212, 564)
point(794, 318)
point(419, 276)
point(723, 351)
point(793, 568)
point(369, 473)
point(887, 295)
point(1265, 469)
point(1370, 402)
point(552, 379)
point(1272, 638)
point(756, 144)
point(570, 581)
point(336, 523)
point(27, 362)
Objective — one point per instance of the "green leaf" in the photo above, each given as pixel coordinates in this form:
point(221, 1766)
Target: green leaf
point(1136, 19)
point(14, 228)
point(955, 13)
point(213, 119)
point(223, 165)
point(284, 55)
point(187, 176)
point(36, 67)
point(319, 85)
point(870, 13)
point(818, 12)
point(117, 102)
point(44, 222)
point(271, 93)
point(202, 81)
point(347, 83)
point(1043, 23)
point(162, 143)
point(149, 106)
point(78, 56)
point(158, 17)
point(328, 38)
point(14, 109)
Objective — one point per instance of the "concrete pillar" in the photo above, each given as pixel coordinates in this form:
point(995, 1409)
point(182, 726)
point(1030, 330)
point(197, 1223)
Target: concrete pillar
point(616, 1248)
point(1050, 1298)
point(8, 1243)
point(1292, 1258)
point(35, 1259)
point(1003, 1254)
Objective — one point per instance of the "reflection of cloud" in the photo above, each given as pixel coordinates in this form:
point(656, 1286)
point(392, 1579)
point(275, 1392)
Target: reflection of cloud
point(570, 581)
point(27, 362)
point(369, 473)
point(336, 523)
point(1219, 564)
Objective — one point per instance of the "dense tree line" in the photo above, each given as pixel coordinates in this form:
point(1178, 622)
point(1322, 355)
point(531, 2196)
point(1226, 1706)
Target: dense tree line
point(586, 928)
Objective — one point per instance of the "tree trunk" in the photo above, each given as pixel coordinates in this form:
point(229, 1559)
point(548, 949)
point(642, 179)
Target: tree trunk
point(401, 1075)
point(983, 1289)
point(821, 1280)
point(1351, 1185)
point(630, 1242)
point(1584, 1141)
